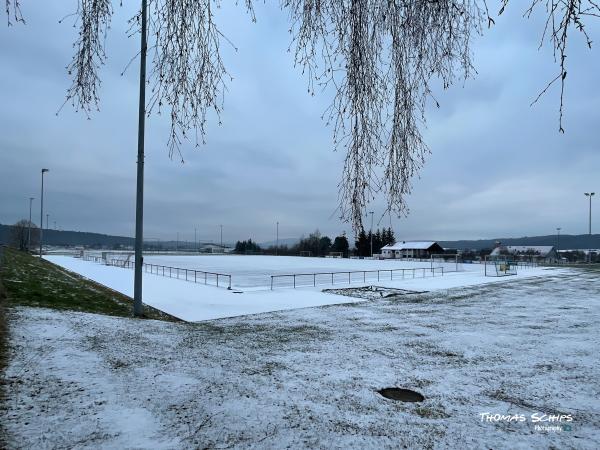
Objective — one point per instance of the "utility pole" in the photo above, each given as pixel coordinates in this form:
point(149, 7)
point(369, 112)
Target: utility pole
point(371, 212)
point(277, 241)
point(138, 309)
point(590, 195)
point(29, 227)
point(42, 213)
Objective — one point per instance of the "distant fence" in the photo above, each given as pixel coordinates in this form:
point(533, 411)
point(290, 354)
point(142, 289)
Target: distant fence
point(192, 275)
point(308, 279)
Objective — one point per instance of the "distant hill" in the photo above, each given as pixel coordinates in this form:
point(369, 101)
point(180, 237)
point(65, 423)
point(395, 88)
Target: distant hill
point(567, 241)
point(73, 238)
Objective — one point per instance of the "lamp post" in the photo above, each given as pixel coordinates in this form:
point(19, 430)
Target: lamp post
point(590, 195)
point(42, 213)
point(138, 309)
point(29, 227)
point(371, 212)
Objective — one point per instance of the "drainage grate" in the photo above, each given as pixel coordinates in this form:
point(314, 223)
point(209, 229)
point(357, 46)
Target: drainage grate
point(403, 395)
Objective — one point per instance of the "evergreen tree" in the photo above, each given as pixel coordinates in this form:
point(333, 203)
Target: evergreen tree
point(340, 244)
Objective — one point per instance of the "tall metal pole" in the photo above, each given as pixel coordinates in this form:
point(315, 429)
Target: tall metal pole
point(138, 309)
point(590, 195)
point(47, 220)
point(195, 240)
point(277, 241)
point(371, 212)
point(42, 213)
point(29, 227)
point(558, 243)
point(221, 237)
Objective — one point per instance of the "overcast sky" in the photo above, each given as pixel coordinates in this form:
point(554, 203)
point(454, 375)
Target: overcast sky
point(498, 167)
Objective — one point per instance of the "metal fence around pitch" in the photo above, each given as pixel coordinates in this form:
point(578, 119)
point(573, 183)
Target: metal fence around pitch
point(357, 276)
point(192, 275)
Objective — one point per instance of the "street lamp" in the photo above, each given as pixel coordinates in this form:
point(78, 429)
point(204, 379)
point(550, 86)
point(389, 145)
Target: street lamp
point(42, 213)
point(29, 227)
point(590, 195)
point(371, 212)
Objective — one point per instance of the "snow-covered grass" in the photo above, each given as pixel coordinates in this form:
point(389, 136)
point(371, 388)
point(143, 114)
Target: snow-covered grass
point(195, 302)
point(308, 378)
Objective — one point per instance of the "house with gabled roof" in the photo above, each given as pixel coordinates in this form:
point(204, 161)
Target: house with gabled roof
point(411, 249)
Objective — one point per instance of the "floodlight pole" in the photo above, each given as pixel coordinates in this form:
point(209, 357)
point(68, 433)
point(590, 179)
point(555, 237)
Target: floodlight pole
point(138, 309)
point(42, 213)
point(29, 227)
point(590, 195)
point(371, 212)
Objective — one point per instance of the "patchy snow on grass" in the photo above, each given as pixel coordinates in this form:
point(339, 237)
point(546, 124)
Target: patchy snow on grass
point(195, 302)
point(308, 378)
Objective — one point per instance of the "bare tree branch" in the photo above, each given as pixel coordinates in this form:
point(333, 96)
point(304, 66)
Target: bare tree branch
point(562, 16)
point(13, 12)
point(380, 58)
point(92, 19)
point(188, 76)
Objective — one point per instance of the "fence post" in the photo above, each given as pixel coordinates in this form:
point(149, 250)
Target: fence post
point(271, 282)
point(332, 278)
point(294, 281)
point(217, 280)
point(229, 281)
point(348, 277)
point(378, 275)
point(204, 277)
point(195, 276)
point(186, 274)
point(364, 276)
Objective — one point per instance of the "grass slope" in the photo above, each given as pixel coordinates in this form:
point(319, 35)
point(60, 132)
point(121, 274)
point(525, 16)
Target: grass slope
point(29, 281)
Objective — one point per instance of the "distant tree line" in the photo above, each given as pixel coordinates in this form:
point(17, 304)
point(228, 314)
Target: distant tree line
point(316, 243)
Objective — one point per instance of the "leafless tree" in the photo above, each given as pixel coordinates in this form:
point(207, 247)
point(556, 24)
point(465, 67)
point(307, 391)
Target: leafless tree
point(378, 58)
point(19, 235)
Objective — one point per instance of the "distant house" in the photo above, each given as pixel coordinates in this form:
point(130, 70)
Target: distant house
point(411, 249)
point(540, 253)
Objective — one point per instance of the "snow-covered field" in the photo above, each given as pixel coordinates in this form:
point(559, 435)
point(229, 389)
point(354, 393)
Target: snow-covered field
point(308, 378)
point(196, 302)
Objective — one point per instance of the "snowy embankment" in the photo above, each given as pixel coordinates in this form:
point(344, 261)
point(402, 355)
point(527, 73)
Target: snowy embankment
point(195, 302)
point(309, 378)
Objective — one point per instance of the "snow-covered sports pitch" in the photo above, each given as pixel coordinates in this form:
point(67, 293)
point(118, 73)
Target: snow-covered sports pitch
point(251, 291)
